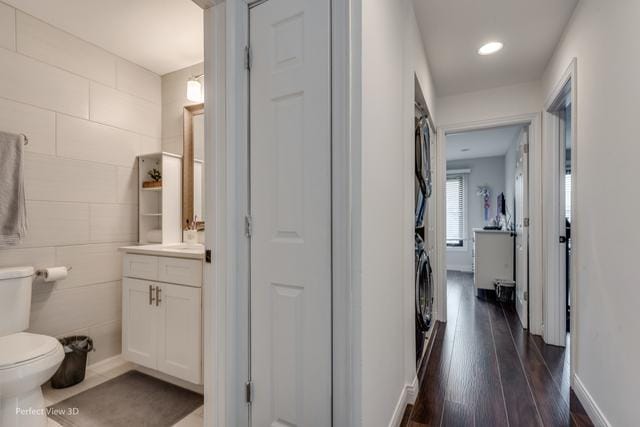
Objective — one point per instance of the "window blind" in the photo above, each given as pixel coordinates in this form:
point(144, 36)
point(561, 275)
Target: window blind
point(567, 196)
point(455, 213)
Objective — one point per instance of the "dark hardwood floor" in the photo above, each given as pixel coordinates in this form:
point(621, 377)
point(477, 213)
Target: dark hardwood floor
point(485, 370)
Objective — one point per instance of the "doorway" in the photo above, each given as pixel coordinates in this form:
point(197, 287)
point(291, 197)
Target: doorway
point(560, 212)
point(487, 201)
point(289, 222)
point(565, 194)
point(533, 135)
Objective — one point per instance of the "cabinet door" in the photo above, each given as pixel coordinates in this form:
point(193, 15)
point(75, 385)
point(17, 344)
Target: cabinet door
point(139, 321)
point(180, 332)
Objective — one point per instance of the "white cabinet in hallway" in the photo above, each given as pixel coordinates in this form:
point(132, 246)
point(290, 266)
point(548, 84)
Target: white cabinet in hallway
point(162, 322)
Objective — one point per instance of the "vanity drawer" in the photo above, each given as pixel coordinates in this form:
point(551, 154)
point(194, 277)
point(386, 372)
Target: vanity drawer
point(180, 270)
point(140, 266)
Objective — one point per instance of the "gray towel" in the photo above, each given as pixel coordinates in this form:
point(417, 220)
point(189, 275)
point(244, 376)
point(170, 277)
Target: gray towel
point(13, 210)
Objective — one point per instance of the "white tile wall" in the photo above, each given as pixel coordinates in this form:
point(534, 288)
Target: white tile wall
point(119, 109)
point(38, 124)
point(57, 224)
point(174, 99)
point(137, 81)
point(36, 257)
point(57, 179)
point(91, 264)
point(128, 185)
point(114, 223)
point(53, 46)
point(82, 139)
point(150, 145)
point(80, 171)
point(7, 27)
point(33, 82)
point(61, 312)
point(109, 335)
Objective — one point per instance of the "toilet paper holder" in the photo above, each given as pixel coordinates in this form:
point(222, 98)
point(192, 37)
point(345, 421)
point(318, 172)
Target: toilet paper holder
point(40, 272)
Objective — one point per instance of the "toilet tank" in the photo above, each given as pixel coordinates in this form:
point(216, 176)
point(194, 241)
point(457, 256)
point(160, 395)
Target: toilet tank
point(15, 299)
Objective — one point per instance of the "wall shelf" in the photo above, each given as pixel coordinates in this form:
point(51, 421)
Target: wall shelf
point(160, 208)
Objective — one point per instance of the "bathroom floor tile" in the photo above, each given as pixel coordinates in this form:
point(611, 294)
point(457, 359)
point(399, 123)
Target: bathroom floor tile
point(191, 420)
point(51, 423)
point(53, 395)
point(118, 370)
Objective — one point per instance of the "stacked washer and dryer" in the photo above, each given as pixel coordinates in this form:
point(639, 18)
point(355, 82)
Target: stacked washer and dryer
point(423, 190)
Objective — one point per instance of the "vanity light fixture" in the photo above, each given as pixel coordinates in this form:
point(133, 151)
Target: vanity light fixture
point(490, 48)
point(195, 92)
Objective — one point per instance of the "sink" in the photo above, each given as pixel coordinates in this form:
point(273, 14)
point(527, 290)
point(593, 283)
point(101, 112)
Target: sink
point(186, 247)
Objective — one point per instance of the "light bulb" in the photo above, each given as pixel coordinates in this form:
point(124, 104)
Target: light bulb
point(194, 90)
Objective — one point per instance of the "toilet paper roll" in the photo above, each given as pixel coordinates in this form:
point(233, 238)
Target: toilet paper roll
point(54, 273)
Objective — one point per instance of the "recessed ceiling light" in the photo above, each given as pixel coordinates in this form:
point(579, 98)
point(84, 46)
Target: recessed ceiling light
point(464, 150)
point(489, 48)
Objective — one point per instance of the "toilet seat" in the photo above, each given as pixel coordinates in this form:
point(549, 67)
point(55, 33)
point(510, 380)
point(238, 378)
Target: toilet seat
point(24, 348)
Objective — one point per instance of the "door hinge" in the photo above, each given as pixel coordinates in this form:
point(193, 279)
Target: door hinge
point(248, 225)
point(247, 58)
point(525, 148)
point(207, 256)
point(526, 222)
point(526, 295)
point(247, 392)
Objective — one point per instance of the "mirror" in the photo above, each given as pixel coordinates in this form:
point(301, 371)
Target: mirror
point(193, 166)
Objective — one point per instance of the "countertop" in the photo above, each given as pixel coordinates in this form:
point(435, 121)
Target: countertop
point(176, 250)
point(480, 230)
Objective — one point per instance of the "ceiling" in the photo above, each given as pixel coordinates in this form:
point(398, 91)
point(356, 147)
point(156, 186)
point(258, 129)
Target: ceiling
point(453, 30)
point(481, 143)
point(160, 35)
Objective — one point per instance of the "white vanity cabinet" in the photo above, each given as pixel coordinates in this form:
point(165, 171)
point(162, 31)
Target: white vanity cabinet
point(162, 314)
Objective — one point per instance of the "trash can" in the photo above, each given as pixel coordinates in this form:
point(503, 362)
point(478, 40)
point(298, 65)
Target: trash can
point(72, 369)
point(505, 290)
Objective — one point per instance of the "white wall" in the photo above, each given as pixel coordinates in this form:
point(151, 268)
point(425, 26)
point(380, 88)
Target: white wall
point(174, 99)
point(498, 103)
point(604, 37)
point(485, 171)
point(87, 114)
point(391, 55)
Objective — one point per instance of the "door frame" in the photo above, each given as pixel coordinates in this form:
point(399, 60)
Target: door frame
point(534, 121)
point(226, 281)
point(555, 307)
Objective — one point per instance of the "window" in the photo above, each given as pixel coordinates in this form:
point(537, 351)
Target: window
point(455, 211)
point(567, 196)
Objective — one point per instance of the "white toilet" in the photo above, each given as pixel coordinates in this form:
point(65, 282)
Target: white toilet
point(26, 360)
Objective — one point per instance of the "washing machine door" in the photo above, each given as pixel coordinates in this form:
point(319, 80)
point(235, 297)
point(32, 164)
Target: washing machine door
point(424, 290)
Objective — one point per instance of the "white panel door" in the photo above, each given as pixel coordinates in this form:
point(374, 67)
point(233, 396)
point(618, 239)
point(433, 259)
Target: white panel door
point(180, 332)
point(290, 176)
point(139, 321)
point(522, 233)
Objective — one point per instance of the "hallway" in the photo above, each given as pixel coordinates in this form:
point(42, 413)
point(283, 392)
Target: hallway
point(485, 370)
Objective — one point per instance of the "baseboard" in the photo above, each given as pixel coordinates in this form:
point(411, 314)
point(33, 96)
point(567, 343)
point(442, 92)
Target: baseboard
point(108, 363)
point(398, 412)
point(462, 268)
point(412, 391)
point(590, 406)
point(408, 396)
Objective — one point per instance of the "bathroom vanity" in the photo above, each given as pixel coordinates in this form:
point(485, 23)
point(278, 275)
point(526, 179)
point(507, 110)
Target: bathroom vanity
point(162, 309)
